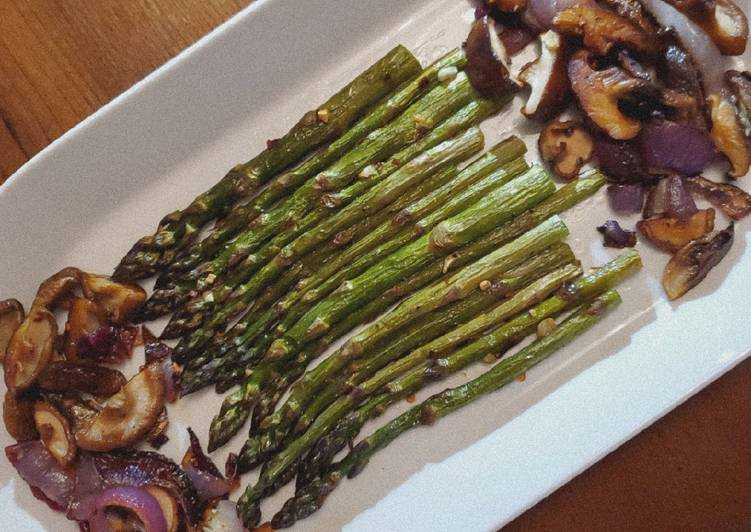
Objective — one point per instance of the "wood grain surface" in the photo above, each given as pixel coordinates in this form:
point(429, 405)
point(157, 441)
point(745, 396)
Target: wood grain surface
point(60, 60)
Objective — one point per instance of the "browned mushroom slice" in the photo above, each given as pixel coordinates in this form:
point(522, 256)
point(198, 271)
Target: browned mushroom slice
point(728, 135)
point(601, 30)
point(547, 79)
point(57, 288)
point(18, 416)
point(598, 93)
point(634, 11)
point(68, 376)
point(119, 301)
point(487, 61)
point(733, 201)
point(694, 261)
point(671, 234)
point(127, 416)
point(54, 431)
point(566, 146)
point(84, 318)
point(740, 84)
point(30, 350)
point(11, 316)
point(722, 20)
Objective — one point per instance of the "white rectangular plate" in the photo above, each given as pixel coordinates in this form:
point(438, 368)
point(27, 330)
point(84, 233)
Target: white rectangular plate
point(88, 196)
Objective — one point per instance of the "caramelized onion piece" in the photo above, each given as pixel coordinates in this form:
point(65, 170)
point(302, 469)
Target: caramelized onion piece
point(599, 93)
point(18, 416)
point(11, 316)
point(733, 201)
point(66, 376)
point(601, 30)
point(127, 416)
point(30, 350)
point(54, 431)
point(694, 261)
point(728, 135)
point(615, 236)
point(566, 146)
point(671, 234)
point(487, 61)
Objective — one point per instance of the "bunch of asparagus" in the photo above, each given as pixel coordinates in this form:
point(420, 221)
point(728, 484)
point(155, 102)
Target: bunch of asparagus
point(366, 203)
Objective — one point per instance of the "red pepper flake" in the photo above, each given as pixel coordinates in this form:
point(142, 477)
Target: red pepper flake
point(522, 377)
point(411, 398)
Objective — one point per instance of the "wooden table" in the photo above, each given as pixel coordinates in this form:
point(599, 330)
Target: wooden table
point(60, 60)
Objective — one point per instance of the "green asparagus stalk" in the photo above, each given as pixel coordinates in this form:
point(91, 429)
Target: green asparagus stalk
point(499, 206)
point(420, 118)
point(563, 199)
point(311, 497)
point(369, 380)
point(238, 255)
point(455, 288)
point(286, 182)
point(236, 406)
point(210, 360)
point(596, 281)
point(347, 265)
point(470, 186)
point(386, 192)
point(314, 129)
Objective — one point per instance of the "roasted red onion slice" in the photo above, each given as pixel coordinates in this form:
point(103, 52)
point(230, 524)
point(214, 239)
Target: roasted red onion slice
point(678, 200)
point(626, 198)
point(108, 344)
point(704, 52)
point(48, 480)
point(206, 477)
point(616, 236)
point(669, 147)
point(516, 39)
point(140, 469)
point(621, 161)
point(136, 500)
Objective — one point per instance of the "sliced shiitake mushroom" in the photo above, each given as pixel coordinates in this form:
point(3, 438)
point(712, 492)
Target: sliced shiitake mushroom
point(127, 416)
point(722, 20)
point(694, 261)
point(599, 93)
point(728, 135)
point(54, 431)
point(671, 234)
point(18, 416)
point(634, 11)
point(86, 377)
point(731, 200)
point(487, 61)
point(84, 318)
point(566, 146)
point(57, 288)
point(30, 350)
point(11, 316)
point(169, 506)
point(119, 301)
point(547, 79)
point(602, 29)
point(740, 84)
